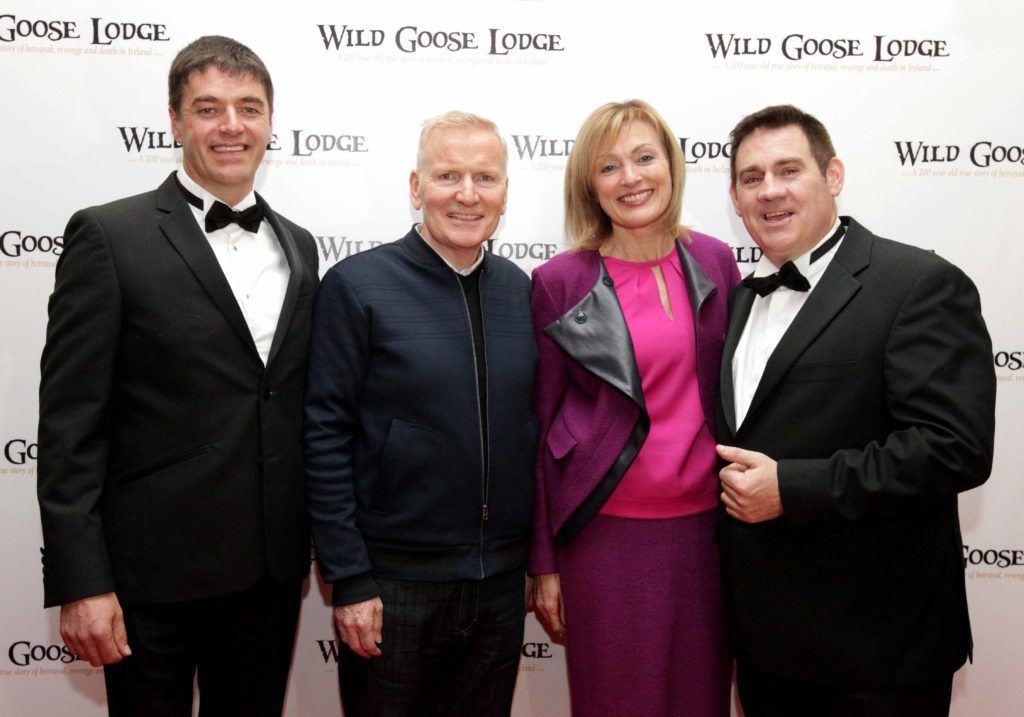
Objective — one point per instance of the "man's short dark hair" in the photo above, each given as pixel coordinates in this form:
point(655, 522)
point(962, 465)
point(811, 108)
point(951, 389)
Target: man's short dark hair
point(778, 116)
point(227, 55)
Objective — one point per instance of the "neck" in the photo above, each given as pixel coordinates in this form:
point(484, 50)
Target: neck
point(637, 246)
point(458, 258)
point(229, 195)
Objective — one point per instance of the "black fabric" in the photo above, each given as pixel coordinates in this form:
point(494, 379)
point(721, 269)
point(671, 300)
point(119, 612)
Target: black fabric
point(394, 458)
point(239, 646)
point(787, 275)
point(763, 694)
point(474, 304)
point(220, 215)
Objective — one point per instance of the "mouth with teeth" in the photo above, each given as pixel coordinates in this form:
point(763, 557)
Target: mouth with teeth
point(776, 216)
point(464, 217)
point(228, 148)
point(636, 197)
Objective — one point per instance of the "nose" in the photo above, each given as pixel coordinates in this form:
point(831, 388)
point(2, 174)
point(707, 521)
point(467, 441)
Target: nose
point(770, 189)
point(629, 174)
point(231, 122)
point(466, 192)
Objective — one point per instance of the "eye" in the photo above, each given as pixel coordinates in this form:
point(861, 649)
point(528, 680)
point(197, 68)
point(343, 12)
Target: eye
point(486, 178)
point(254, 111)
point(206, 111)
point(447, 177)
point(646, 158)
point(605, 169)
point(750, 179)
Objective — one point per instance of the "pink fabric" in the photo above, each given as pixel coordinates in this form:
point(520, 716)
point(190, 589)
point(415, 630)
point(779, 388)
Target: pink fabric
point(673, 475)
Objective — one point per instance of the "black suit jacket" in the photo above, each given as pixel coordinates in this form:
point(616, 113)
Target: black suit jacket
point(170, 460)
point(878, 404)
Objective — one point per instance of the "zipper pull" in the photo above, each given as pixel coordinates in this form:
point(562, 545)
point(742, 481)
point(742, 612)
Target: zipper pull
point(485, 512)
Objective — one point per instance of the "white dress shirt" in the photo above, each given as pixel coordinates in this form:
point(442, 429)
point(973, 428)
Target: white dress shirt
point(253, 263)
point(770, 317)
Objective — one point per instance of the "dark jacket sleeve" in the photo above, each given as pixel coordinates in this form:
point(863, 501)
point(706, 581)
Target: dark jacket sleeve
point(549, 387)
point(76, 373)
point(339, 350)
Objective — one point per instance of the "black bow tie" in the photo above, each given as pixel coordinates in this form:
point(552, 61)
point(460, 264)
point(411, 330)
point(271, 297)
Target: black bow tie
point(220, 215)
point(788, 275)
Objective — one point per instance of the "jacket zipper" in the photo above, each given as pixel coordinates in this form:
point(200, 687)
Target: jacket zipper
point(484, 465)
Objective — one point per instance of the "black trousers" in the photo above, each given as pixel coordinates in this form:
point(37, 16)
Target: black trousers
point(239, 646)
point(449, 649)
point(765, 695)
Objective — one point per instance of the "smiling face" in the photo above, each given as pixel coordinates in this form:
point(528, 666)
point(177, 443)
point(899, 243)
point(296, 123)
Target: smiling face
point(785, 202)
point(632, 179)
point(223, 125)
point(461, 186)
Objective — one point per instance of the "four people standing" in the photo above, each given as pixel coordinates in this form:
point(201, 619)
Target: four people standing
point(171, 406)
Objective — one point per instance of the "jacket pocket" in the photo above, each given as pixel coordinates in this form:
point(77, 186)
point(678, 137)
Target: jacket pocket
point(560, 441)
point(411, 455)
point(158, 466)
point(823, 371)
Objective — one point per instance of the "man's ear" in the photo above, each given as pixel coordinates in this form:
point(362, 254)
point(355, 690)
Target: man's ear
point(414, 189)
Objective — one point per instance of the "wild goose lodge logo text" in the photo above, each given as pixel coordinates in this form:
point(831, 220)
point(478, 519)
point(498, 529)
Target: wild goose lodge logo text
point(796, 47)
point(413, 38)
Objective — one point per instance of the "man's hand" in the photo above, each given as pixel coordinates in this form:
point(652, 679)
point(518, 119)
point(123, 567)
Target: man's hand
point(547, 605)
point(750, 485)
point(360, 624)
point(93, 629)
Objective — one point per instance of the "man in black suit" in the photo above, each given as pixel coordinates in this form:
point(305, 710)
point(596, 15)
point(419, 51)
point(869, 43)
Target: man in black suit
point(857, 403)
point(170, 431)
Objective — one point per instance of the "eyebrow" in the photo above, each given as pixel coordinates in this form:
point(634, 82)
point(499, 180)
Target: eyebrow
point(776, 163)
point(249, 100)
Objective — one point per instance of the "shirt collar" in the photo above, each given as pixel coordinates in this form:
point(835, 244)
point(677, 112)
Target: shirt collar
point(208, 199)
point(803, 262)
point(464, 272)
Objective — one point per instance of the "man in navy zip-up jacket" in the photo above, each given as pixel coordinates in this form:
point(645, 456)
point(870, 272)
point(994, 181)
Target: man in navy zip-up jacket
point(420, 444)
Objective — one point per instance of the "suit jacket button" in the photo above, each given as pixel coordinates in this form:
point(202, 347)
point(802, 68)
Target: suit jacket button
point(267, 394)
point(580, 317)
point(607, 281)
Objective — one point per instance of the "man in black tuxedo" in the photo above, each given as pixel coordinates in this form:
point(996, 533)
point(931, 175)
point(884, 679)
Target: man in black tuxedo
point(857, 402)
point(170, 432)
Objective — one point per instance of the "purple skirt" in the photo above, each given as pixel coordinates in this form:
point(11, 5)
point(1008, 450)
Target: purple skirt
point(645, 627)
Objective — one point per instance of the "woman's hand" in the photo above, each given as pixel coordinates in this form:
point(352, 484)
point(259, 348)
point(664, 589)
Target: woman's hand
point(547, 605)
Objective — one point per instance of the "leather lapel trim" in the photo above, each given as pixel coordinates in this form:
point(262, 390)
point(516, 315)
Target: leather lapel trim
point(594, 333)
point(698, 285)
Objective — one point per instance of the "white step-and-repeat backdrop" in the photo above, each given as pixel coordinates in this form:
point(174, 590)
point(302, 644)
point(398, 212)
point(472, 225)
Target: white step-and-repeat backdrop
point(923, 99)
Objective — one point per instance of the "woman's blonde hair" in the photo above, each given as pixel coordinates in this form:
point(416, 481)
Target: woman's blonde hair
point(586, 224)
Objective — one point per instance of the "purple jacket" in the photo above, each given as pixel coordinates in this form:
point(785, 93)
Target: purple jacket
point(587, 392)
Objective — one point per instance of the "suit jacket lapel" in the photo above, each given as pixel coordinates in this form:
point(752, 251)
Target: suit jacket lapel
point(287, 241)
point(180, 228)
point(594, 333)
point(835, 289)
point(740, 302)
point(698, 285)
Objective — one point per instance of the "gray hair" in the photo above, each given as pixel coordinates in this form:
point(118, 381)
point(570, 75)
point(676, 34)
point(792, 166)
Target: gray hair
point(454, 119)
